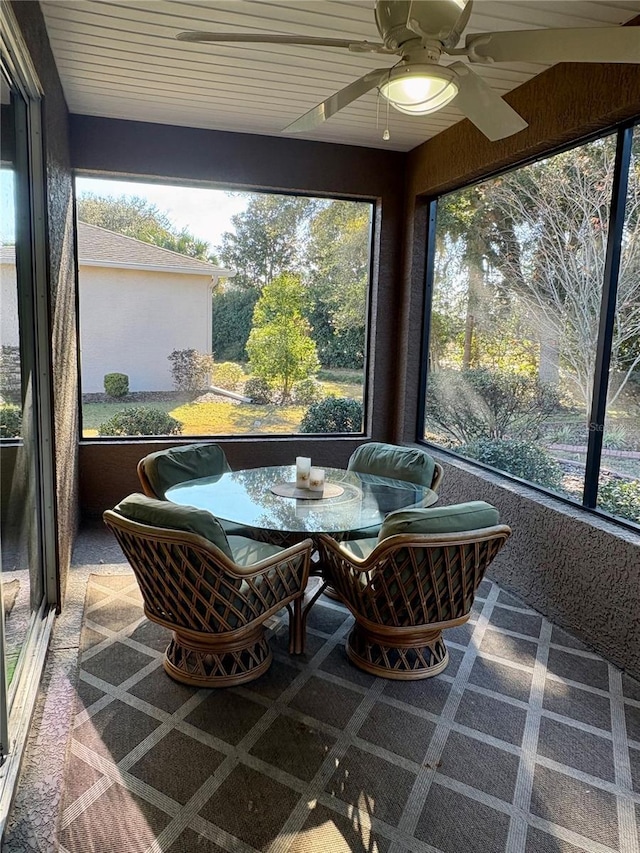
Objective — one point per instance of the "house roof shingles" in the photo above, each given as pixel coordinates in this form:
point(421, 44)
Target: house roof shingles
point(102, 247)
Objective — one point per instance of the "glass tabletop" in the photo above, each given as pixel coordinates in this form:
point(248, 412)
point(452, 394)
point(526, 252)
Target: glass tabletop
point(245, 498)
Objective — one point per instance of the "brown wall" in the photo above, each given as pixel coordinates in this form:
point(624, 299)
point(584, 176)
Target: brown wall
point(59, 191)
point(125, 148)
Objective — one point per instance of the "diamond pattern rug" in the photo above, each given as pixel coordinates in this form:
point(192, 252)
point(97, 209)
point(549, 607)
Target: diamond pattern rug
point(527, 743)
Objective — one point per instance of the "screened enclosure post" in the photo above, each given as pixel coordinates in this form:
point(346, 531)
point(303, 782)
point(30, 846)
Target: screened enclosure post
point(607, 316)
point(428, 295)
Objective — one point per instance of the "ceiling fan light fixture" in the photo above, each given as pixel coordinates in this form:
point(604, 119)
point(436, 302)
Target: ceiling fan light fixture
point(419, 89)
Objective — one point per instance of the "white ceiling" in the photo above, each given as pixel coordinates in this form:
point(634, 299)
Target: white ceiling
point(119, 58)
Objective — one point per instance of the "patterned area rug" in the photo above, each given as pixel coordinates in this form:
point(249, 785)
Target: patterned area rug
point(527, 743)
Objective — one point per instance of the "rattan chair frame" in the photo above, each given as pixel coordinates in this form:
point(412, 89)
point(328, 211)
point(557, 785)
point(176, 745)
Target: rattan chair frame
point(191, 587)
point(406, 592)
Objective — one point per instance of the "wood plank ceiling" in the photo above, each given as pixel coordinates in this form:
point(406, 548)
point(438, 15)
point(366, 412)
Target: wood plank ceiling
point(119, 58)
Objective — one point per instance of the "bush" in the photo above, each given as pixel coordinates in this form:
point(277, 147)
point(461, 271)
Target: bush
point(520, 458)
point(10, 421)
point(621, 498)
point(333, 414)
point(190, 369)
point(139, 420)
point(116, 384)
point(480, 403)
point(306, 391)
point(227, 375)
point(258, 391)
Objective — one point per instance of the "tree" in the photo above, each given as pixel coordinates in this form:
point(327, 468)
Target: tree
point(337, 260)
point(267, 239)
point(279, 347)
point(136, 217)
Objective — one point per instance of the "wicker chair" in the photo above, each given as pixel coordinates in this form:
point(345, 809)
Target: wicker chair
point(164, 468)
point(215, 603)
point(400, 463)
point(405, 588)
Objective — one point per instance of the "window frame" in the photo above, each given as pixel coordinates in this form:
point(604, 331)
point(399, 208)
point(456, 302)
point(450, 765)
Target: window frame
point(624, 133)
point(375, 206)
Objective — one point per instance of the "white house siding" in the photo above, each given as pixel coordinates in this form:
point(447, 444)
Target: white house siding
point(132, 319)
point(9, 331)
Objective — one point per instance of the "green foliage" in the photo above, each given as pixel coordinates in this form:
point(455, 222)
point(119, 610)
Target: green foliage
point(258, 390)
point(479, 403)
point(621, 498)
point(116, 384)
point(10, 421)
point(266, 239)
point(280, 349)
point(136, 217)
point(139, 420)
point(190, 369)
point(306, 391)
point(333, 414)
point(520, 458)
point(232, 317)
point(346, 377)
point(227, 375)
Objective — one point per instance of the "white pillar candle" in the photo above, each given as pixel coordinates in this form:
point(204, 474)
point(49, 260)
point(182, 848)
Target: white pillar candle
point(303, 467)
point(316, 480)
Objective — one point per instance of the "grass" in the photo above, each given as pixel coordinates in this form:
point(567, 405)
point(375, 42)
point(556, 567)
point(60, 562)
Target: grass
point(220, 418)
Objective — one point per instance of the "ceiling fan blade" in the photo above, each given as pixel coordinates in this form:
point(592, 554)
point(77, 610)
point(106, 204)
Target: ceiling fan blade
point(256, 38)
point(490, 113)
point(587, 44)
point(336, 102)
point(437, 19)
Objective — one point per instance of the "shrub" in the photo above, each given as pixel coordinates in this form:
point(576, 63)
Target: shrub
point(232, 315)
point(227, 375)
point(258, 390)
point(333, 414)
point(306, 391)
point(116, 384)
point(190, 369)
point(139, 420)
point(10, 421)
point(480, 403)
point(621, 498)
point(520, 458)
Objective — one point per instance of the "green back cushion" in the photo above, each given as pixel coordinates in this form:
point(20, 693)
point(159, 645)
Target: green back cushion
point(167, 468)
point(387, 460)
point(456, 518)
point(155, 513)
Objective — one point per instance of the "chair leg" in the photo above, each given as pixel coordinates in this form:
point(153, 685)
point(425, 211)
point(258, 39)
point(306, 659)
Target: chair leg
point(215, 661)
point(411, 659)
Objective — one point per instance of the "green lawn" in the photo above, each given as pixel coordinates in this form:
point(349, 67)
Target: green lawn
point(219, 418)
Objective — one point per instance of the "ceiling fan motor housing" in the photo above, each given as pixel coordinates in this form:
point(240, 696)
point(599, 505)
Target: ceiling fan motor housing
point(391, 20)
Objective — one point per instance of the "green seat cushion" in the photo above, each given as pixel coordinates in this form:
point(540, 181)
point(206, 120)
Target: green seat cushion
point(456, 518)
point(167, 468)
point(156, 513)
point(247, 551)
point(399, 463)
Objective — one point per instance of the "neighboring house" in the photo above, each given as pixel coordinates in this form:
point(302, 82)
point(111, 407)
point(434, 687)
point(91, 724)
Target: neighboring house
point(138, 303)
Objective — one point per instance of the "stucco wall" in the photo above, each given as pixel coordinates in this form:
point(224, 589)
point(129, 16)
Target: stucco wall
point(131, 320)
point(578, 569)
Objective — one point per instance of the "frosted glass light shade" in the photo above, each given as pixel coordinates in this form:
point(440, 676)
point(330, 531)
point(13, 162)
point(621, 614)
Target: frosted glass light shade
point(419, 89)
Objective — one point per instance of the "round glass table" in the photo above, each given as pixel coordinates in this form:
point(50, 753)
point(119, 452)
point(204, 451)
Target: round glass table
point(245, 498)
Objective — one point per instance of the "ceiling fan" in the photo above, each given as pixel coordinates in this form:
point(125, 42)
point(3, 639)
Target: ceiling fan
point(420, 31)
